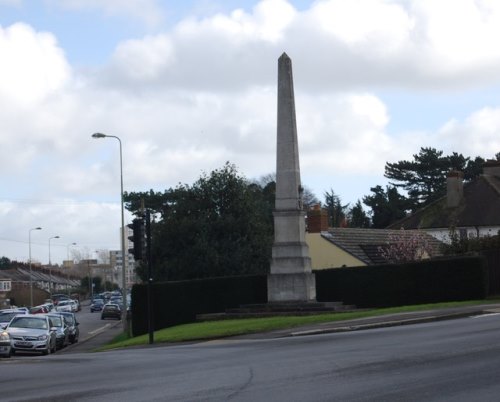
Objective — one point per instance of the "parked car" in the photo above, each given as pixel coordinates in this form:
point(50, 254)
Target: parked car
point(32, 333)
point(74, 330)
point(65, 305)
point(5, 348)
point(39, 310)
point(58, 297)
point(58, 322)
point(111, 311)
point(75, 305)
point(116, 300)
point(78, 306)
point(96, 305)
point(7, 315)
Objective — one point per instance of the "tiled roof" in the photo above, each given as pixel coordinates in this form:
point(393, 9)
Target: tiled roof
point(480, 206)
point(364, 244)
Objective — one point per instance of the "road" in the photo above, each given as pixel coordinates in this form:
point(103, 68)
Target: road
point(457, 360)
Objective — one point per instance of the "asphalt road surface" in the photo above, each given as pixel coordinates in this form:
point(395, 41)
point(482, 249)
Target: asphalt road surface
point(456, 360)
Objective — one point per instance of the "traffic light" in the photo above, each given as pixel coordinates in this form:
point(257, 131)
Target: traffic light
point(138, 239)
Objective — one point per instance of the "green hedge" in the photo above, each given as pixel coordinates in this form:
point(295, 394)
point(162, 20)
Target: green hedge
point(429, 281)
point(179, 302)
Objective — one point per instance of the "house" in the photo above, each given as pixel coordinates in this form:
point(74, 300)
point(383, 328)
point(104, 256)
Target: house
point(354, 247)
point(470, 210)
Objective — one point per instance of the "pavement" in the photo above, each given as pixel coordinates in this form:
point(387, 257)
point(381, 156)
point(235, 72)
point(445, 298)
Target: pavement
point(94, 341)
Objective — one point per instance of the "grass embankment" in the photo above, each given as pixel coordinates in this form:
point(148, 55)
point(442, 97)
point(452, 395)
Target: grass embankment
point(232, 327)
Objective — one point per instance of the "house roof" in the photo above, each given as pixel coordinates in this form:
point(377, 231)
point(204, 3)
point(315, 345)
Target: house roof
point(480, 206)
point(365, 244)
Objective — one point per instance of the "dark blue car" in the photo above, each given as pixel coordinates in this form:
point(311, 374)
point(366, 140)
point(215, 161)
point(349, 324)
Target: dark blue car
point(96, 305)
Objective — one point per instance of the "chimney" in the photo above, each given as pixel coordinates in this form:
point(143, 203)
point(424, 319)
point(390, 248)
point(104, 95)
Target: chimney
point(317, 219)
point(491, 168)
point(454, 188)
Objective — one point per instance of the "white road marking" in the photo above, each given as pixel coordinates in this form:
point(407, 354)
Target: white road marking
point(96, 331)
point(485, 315)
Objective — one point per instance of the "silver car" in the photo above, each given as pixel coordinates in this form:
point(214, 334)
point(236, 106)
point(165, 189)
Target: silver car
point(5, 350)
point(7, 315)
point(65, 305)
point(32, 333)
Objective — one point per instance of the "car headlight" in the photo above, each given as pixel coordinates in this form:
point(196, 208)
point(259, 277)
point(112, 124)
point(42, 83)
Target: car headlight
point(42, 337)
point(4, 336)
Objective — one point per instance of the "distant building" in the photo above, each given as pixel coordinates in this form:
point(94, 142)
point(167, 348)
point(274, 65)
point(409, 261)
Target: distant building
point(116, 262)
point(470, 209)
point(354, 247)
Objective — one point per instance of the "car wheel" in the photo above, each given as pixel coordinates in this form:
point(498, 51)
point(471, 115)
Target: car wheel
point(12, 352)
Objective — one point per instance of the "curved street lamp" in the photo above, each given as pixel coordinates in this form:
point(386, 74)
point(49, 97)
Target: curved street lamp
point(124, 260)
point(50, 266)
point(31, 277)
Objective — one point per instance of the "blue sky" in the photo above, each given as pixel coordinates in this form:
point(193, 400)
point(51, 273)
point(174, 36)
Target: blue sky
point(189, 85)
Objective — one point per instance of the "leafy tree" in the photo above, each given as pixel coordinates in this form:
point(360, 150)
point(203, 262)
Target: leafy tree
point(96, 280)
point(308, 197)
point(357, 217)
point(424, 178)
point(387, 206)
point(221, 225)
point(336, 211)
point(4, 263)
point(405, 247)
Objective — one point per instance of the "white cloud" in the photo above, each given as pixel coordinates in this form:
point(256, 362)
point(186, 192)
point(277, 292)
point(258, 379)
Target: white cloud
point(459, 41)
point(477, 135)
point(386, 25)
point(334, 44)
point(32, 67)
point(143, 59)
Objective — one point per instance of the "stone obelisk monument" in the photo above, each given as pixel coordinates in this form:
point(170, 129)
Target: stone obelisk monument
point(291, 278)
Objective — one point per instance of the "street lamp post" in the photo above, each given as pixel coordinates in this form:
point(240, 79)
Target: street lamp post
point(67, 276)
point(50, 266)
point(31, 277)
point(124, 260)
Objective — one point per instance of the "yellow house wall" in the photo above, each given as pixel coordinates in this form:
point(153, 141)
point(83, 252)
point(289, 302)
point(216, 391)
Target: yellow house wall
point(325, 254)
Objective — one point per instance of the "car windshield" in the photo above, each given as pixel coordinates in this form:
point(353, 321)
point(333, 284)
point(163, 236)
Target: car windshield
point(69, 319)
point(64, 302)
point(56, 321)
point(6, 317)
point(29, 322)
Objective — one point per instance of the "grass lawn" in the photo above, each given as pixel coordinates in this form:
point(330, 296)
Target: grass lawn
point(231, 327)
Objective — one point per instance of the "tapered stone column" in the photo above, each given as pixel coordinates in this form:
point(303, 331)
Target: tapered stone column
point(291, 278)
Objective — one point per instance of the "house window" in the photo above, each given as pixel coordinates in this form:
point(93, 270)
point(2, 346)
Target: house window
point(5, 286)
point(463, 234)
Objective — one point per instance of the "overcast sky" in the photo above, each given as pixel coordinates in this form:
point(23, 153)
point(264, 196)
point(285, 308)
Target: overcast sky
point(188, 85)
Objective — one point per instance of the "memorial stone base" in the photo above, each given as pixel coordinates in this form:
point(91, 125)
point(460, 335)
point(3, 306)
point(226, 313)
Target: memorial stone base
point(299, 287)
